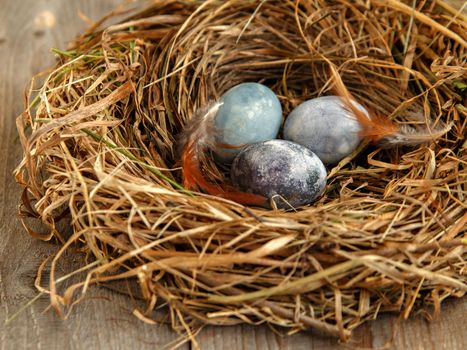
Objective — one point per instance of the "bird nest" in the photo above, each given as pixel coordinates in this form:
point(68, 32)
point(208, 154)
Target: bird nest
point(99, 134)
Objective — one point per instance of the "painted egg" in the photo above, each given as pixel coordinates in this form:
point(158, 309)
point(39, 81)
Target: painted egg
point(326, 127)
point(280, 170)
point(250, 113)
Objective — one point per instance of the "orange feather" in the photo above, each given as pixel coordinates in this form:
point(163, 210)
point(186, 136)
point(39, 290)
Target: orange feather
point(195, 147)
point(374, 127)
point(381, 130)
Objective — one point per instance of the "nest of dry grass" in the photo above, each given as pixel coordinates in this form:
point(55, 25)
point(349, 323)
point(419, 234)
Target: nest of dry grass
point(99, 134)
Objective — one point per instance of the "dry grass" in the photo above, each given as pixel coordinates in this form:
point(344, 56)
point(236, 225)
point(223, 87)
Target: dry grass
point(389, 233)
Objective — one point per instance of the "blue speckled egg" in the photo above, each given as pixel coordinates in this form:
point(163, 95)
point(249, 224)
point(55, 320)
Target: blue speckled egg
point(324, 126)
point(280, 170)
point(250, 113)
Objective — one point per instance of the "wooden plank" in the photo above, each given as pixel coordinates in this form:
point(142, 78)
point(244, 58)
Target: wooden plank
point(447, 332)
point(416, 333)
point(104, 320)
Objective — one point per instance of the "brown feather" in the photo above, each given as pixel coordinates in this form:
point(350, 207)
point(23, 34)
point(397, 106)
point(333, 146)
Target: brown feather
point(200, 130)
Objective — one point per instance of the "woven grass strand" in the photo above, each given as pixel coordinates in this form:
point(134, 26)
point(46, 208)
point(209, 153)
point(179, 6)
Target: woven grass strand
point(99, 137)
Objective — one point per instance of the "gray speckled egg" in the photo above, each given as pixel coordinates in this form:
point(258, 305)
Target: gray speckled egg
point(279, 168)
point(250, 113)
point(324, 126)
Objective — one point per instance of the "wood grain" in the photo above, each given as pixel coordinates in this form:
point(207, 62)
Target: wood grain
point(104, 320)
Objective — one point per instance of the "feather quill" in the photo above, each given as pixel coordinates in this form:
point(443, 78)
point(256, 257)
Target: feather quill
point(197, 138)
point(381, 130)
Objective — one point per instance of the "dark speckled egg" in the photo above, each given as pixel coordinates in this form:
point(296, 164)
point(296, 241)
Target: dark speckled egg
point(280, 170)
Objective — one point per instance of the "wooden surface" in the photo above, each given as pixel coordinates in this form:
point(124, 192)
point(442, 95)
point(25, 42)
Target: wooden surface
point(28, 28)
